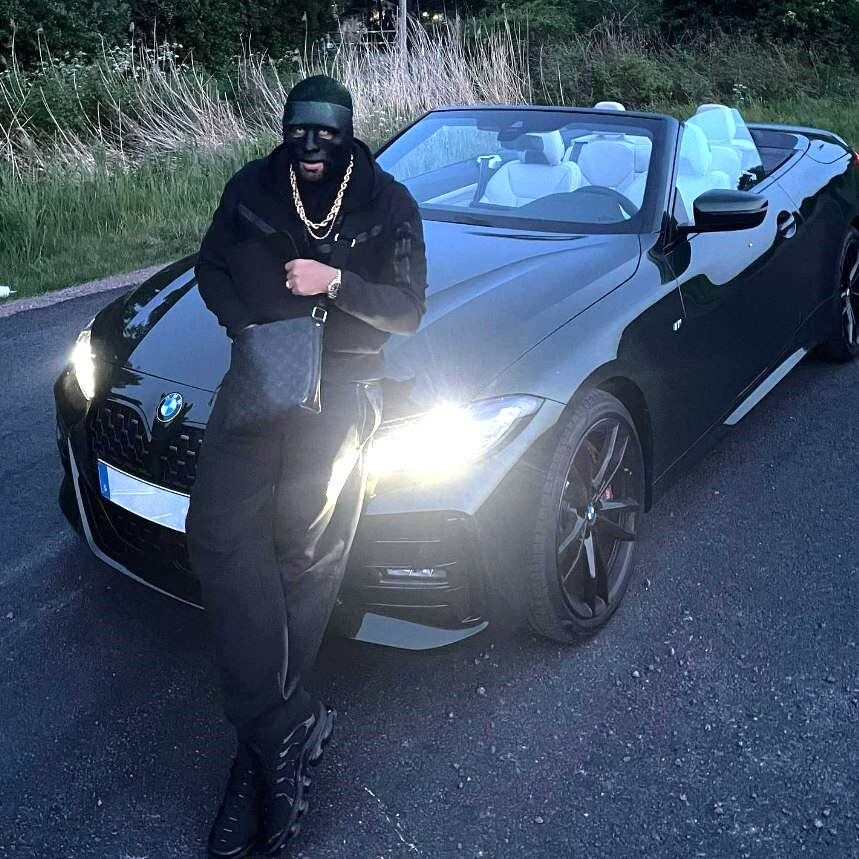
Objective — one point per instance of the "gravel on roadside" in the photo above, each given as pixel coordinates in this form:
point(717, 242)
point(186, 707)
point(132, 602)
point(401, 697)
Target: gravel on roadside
point(131, 278)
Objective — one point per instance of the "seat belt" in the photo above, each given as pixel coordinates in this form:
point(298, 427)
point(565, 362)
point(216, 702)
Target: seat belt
point(489, 164)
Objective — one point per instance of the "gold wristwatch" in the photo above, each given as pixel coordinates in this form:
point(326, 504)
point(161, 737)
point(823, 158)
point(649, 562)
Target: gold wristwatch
point(334, 286)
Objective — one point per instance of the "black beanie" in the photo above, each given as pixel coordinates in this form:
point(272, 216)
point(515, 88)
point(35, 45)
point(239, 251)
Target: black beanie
point(319, 100)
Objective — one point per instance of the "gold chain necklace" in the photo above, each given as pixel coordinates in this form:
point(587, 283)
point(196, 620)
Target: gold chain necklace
point(331, 217)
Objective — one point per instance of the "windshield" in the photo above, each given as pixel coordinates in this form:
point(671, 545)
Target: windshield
point(530, 169)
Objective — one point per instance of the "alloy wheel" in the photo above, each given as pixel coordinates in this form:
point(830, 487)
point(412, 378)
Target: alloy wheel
point(597, 517)
point(850, 295)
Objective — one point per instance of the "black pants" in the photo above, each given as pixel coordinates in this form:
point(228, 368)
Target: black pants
point(270, 524)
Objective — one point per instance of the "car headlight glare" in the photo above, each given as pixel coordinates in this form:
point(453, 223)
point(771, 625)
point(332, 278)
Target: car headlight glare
point(83, 364)
point(448, 437)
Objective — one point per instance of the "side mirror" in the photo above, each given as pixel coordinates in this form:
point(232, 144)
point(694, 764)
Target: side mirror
point(721, 210)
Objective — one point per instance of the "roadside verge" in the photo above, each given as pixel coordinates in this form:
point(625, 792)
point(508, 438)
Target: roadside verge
point(131, 278)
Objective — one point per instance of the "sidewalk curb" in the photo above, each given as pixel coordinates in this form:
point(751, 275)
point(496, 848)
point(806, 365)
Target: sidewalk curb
point(131, 278)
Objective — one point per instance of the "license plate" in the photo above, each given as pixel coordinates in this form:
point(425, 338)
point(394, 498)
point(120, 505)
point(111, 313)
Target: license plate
point(156, 503)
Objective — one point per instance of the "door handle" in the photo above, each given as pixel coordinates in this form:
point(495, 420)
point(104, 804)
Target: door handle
point(787, 224)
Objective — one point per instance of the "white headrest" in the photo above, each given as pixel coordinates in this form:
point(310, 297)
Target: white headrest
point(716, 121)
point(553, 146)
point(695, 154)
point(607, 162)
point(538, 147)
point(609, 105)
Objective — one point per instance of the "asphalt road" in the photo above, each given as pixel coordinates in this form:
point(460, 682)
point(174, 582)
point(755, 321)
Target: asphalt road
point(717, 715)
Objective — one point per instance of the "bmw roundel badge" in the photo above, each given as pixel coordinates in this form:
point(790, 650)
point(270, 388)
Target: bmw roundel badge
point(170, 406)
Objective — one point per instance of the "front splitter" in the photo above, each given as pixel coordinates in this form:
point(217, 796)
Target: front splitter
point(408, 635)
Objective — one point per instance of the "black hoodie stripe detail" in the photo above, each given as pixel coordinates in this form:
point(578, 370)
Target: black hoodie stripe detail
point(256, 220)
point(403, 254)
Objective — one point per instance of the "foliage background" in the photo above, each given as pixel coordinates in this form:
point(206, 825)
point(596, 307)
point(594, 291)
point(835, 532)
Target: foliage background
point(213, 30)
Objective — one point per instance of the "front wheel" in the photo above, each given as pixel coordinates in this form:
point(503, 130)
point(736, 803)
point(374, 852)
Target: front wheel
point(843, 341)
point(582, 557)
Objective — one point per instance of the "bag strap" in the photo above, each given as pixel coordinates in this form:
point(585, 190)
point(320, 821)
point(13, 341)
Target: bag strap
point(339, 252)
point(340, 247)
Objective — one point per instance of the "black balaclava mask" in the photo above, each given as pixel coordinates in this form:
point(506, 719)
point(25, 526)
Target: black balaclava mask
point(317, 129)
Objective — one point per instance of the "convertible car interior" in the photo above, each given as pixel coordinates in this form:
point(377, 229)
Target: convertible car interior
point(593, 170)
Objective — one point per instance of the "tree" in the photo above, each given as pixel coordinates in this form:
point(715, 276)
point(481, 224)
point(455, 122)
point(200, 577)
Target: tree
point(213, 30)
point(65, 25)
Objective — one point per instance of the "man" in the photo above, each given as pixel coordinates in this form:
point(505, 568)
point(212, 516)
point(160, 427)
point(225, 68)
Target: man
point(273, 515)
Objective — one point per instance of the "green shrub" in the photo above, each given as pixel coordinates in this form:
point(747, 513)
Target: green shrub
point(72, 94)
point(69, 25)
point(640, 80)
point(641, 69)
point(213, 31)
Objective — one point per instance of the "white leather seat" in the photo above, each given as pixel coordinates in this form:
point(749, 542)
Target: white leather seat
point(577, 144)
point(719, 127)
point(728, 136)
point(634, 192)
point(620, 162)
point(729, 162)
point(539, 173)
point(694, 173)
point(643, 147)
point(744, 141)
point(608, 161)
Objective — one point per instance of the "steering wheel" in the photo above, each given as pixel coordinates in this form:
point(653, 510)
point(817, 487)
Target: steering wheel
point(604, 191)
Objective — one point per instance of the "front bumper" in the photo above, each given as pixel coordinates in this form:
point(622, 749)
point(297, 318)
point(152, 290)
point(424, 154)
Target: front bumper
point(470, 530)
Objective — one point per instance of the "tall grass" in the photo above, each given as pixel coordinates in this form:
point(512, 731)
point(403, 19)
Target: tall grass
point(115, 163)
point(390, 88)
point(63, 228)
point(128, 108)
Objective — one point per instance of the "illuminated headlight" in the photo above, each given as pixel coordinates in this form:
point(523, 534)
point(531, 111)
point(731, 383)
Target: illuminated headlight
point(83, 363)
point(447, 438)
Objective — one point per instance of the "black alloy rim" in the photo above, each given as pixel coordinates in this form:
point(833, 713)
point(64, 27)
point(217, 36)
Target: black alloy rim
point(850, 295)
point(597, 517)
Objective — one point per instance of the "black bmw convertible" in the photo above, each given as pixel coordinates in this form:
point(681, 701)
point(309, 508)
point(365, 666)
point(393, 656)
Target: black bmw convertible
point(609, 292)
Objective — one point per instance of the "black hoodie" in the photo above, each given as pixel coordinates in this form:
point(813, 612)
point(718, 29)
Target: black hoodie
point(377, 241)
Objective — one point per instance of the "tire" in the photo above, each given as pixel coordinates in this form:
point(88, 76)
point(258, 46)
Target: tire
point(843, 341)
point(584, 539)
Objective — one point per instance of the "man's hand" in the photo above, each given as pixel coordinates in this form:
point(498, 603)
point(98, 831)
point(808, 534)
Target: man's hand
point(308, 277)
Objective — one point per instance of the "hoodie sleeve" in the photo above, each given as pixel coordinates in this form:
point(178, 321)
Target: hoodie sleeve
point(397, 303)
point(213, 277)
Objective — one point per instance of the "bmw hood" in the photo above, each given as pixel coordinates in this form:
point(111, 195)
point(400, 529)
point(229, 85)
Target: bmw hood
point(493, 295)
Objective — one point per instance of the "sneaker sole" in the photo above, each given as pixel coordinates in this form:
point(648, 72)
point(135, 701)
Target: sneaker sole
point(311, 755)
point(239, 854)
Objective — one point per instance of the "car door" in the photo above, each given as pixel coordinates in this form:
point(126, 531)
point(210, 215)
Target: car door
point(819, 184)
point(737, 319)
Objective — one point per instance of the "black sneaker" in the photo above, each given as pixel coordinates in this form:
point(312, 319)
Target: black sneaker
point(234, 832)
point(285, 757)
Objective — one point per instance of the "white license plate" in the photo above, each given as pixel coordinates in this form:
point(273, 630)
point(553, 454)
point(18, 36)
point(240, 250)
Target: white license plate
point(164, 506)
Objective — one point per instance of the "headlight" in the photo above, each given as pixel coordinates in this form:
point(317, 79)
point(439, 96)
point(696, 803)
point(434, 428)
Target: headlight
point(83, 363)
point(448, 437)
